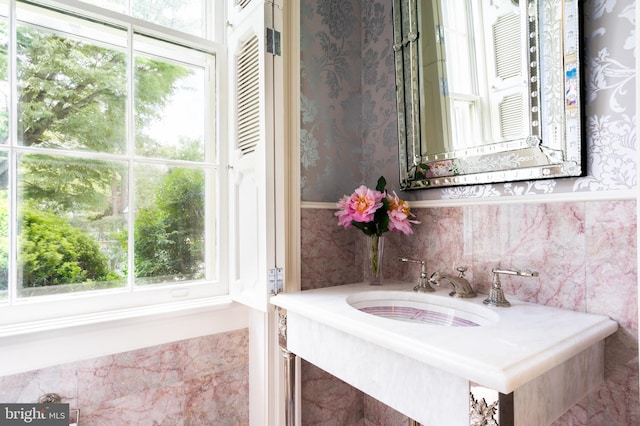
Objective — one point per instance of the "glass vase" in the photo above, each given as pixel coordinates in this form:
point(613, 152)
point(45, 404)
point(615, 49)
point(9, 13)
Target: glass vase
point(374, 260)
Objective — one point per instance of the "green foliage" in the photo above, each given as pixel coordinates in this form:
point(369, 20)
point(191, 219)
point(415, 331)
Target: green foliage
point(152, 244)
point(60, 184)
point(54, 252)
point(72, 94)
point(169, 238)
point(154, 82)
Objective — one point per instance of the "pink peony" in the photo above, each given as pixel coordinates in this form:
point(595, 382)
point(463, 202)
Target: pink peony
point(361, 206)
point(344, 217)
point(359, 210)
point(399, 215)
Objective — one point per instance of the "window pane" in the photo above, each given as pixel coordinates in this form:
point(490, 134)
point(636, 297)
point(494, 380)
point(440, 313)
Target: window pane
point(71, 89)
point(4, 225)
point(72, 224)
point(99, 112)
point(457, 18)
point(170, 109)
point(4, 77)
point(169, 224)
point(181, 15)
point(119, 6)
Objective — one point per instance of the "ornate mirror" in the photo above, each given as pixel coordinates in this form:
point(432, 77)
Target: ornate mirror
point(487, 91)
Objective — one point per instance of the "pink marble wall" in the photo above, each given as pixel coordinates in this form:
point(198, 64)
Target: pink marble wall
point(585, 253)
point(201, 381)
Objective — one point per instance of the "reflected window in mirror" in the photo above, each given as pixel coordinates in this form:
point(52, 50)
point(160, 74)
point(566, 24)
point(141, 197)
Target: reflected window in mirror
point(470, 104)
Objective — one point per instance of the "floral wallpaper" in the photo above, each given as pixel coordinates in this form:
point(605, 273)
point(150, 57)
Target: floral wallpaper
point(347, 64)
point(330, 69)
point(585, 249)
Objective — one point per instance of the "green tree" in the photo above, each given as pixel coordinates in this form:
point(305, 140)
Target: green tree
point(152, 244)
point(169, 237)
point(54, 252)
point(181, 197)
point(73, 94)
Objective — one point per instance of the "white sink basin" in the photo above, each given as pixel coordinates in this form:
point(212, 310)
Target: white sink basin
point(376, 339)
point(422, 308)
point(510, 347)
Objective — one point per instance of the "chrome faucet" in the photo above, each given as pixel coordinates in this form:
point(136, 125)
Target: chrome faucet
point(423, 283)
point(461, 286)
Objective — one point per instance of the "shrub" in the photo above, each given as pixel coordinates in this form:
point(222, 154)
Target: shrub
point(54, 252)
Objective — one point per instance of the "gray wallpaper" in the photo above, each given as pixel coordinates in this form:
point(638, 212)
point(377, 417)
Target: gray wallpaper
point(348, 125)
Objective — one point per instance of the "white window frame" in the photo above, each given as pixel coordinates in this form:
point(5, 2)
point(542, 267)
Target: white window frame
point(100, 323)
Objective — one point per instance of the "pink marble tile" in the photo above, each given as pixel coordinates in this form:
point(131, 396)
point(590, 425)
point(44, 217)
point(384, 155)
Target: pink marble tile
point(115, 376)
point(559, 247)
point(218, 399)
point(611, 269)
point(585, 254)
point(196, 381)
point(28, 387)
point(379, 414)
point(547, 238)
point(155, 407)
point(443, 243)
point(327, 401)
point(333, 255)
point(411, 246)
point(617, 402)
point(576, 416)
point(329, 252)
point(214, 353)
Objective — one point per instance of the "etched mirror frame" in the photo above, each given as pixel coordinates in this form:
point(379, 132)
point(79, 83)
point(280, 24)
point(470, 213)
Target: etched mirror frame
point(554, 147)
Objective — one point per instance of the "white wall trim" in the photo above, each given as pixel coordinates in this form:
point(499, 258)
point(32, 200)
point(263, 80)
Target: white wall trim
point(310, 205)
point(293, 114)
point(630, 194)
point(83, 337)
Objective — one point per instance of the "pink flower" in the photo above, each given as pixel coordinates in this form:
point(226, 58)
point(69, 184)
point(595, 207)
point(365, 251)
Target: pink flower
point(361, 206)
point(359, 210)
point(399, 215)
point(344, 217)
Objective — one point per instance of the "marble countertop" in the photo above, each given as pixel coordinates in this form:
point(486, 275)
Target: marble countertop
point(522, 341)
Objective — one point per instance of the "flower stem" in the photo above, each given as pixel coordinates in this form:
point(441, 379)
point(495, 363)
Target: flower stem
point(374, 254)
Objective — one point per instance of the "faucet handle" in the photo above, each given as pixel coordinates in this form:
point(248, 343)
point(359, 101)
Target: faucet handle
point(496, 294)
point(423, 282)
point(525, 273)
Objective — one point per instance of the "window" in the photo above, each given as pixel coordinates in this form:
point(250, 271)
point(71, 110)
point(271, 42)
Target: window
point(486, 70)
point(109, 161)
point(182, 15)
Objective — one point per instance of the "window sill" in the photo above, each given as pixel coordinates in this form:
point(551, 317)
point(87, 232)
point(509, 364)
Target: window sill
point(40, 344)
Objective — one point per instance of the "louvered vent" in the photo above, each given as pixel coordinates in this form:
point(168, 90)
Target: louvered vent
point(511, 116)
point(242, 3)
point(506, 45)
point(248, 97)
